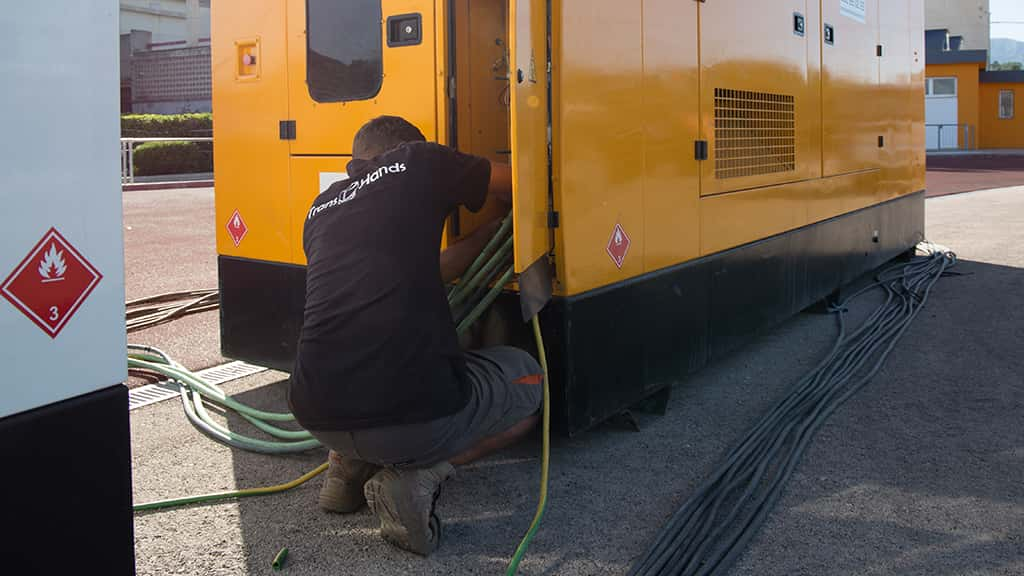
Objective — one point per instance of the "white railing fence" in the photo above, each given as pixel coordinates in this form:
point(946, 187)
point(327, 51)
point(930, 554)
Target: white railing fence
point(128, 153)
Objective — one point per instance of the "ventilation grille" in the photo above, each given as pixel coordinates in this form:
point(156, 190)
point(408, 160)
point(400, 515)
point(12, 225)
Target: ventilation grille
point(755, 133)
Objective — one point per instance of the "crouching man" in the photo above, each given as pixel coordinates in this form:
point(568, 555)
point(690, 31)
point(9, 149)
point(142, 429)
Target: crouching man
point(379, 377)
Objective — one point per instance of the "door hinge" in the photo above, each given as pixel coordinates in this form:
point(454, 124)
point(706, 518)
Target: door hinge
point(552, 219)
point(287, 129)
point(700, 150)
point(878, 50)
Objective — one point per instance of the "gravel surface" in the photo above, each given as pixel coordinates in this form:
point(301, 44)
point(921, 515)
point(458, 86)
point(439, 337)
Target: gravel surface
point(921, 473)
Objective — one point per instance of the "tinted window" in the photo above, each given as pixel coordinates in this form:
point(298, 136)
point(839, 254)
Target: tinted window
point(944, 86)
point(344, 49)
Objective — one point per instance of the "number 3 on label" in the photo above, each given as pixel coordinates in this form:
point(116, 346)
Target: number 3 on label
point(54, 314)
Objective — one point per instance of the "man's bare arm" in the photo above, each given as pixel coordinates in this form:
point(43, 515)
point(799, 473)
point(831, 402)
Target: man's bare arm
point(456, 258)
point(501, 183)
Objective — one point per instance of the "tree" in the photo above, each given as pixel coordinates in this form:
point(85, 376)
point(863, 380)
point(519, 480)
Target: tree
point(996, 65)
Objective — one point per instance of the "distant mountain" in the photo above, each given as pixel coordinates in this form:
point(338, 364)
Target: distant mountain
point(1007, 50)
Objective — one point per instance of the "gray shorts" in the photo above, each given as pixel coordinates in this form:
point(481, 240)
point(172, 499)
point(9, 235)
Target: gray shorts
point(505, 388)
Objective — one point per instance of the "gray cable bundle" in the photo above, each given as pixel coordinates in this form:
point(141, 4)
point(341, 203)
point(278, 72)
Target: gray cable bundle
point(715, 525)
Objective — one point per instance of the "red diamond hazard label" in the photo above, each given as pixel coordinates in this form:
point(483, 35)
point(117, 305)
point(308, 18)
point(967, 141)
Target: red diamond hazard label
point(237, 228)
point(51, 283)
point(618, 245)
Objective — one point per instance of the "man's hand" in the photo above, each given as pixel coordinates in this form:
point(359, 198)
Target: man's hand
point(457, 257)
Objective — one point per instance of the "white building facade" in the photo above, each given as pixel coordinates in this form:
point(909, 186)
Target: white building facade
point(967, 18)
point(169, 22)
point(165, 56)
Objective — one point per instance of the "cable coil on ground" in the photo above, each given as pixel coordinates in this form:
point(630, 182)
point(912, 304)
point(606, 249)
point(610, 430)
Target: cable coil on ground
point(711, 530)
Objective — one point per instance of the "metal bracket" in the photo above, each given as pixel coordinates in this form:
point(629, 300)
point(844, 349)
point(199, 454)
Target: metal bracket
point(535, 288)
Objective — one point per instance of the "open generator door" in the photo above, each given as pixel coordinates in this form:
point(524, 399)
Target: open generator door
point(528, 43)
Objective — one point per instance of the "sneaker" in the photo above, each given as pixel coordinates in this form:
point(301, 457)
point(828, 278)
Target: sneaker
point(404, 501)
point(342, 491)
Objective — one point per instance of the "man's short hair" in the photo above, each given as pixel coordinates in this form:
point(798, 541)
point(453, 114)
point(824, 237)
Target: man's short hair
point(383, 134)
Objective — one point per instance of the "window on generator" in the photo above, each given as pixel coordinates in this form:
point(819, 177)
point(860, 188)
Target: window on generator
point(1006, 104)
point(344, 50)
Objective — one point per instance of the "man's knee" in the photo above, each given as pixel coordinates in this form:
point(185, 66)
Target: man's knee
point(515, 363)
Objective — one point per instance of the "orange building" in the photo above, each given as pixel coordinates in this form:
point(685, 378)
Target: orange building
point(968, 106)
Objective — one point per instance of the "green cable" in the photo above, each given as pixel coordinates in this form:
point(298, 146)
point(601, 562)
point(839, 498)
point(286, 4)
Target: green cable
point(173, 502)
point(545, 459)
point(194, 391)
point(485, 254)
point(278, 563)
point(208, 390)
point(479, 278)
point(492, 294)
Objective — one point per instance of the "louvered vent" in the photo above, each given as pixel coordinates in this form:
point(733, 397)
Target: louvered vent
point(755, 133)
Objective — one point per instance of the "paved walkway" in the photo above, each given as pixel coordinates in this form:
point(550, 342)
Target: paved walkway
point(953, 173)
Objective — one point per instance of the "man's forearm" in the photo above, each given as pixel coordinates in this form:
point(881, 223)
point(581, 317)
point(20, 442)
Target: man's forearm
point(501, 183)
point(456, 258)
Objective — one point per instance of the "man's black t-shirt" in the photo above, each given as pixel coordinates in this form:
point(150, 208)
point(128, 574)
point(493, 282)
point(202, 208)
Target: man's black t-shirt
point(378, 345)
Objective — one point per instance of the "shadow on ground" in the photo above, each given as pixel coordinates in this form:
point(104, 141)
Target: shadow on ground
point(918, 474)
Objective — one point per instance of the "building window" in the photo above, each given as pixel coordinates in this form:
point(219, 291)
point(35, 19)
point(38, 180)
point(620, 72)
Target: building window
point(344, 50)
point(941, 87)
point(1006, 104)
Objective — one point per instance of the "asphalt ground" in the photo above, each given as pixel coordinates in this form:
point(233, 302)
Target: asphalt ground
point(170, 246)
point(920, 473)
point(955, 173)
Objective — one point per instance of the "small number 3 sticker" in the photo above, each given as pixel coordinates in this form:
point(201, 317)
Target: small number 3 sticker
point(54, 314)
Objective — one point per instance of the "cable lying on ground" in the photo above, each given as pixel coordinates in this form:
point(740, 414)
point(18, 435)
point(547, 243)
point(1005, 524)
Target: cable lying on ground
point(155, 310)
point(711, 530)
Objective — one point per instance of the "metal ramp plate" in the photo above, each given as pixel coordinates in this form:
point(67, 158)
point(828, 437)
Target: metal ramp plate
point(166, 389)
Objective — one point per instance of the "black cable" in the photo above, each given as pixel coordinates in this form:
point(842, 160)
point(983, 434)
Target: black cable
point(710, 531)
point(155, 310)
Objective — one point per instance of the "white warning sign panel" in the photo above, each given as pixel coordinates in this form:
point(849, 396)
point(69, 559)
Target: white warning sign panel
point(855, 9)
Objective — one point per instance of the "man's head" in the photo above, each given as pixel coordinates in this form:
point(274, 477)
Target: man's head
point(383, 134)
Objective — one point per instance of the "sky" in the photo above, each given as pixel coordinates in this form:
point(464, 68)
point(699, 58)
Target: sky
point(1007, 10)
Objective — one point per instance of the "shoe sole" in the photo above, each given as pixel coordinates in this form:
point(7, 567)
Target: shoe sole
point(393, 530)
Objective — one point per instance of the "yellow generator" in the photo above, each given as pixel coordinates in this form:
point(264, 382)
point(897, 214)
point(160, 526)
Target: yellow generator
point(686, 172)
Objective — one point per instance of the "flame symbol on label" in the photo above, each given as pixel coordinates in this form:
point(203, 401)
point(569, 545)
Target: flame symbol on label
point(618, 238)
point(238, 222)
point(52, 266)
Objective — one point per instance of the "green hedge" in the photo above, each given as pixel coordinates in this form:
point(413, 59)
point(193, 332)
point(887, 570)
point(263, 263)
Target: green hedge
point(153, 158)
point(166, 125)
